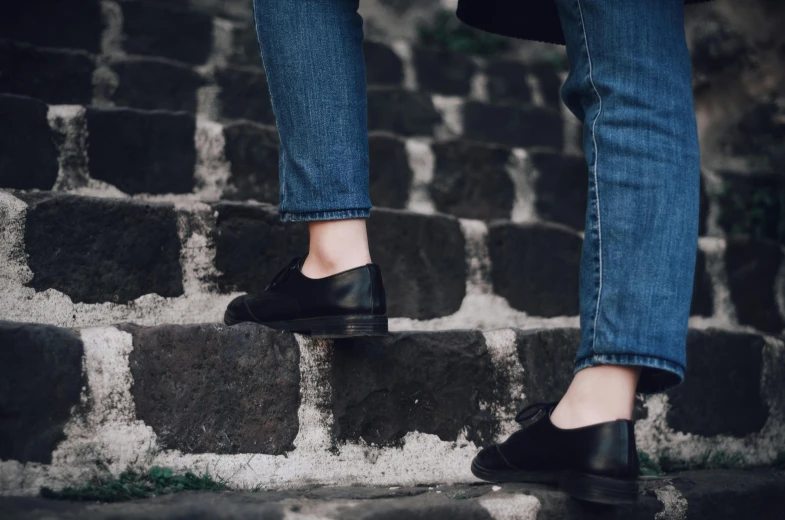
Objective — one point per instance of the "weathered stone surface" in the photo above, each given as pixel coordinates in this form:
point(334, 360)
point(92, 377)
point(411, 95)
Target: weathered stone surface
point(155, 84)
point(401, 112)
point(245, 46)
point(561, 188)
point(244, 95)
point(547, 75)
point(703, 209)
point(507, 82)
point(252, 151)
point(252, 245)
point(548, 361)
point(703, 290)
point(29, 158)
point(759, 135)
point(752, 204)
point(513, 125)
point(214, 389)
point(52, 75)
point(535, 267)
point(390, 174)
point(154, 29)
point(423, 262)
point(382, 65)
point(142, 152)
point(470, 180)
point(425, 382)
point(102, 250)
point(721, 391)
point(53, 24)
point(40, 381)
point(752, 268)
point(442, 71)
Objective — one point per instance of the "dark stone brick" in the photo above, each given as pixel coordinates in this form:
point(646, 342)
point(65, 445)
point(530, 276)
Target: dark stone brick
point(102, 250)
point(52, 75)
point(513, 125)
point(561, 188)
point(535, 267)
point(156, 84)
point(721, 390)
point(752, 268)
point(703, 214)
point(390, 174)
point(550, 82)
point(423, 262)
point(703, 290)
point(252, 151)
point(759, 135)
point(245, 46)
point(252, 245)
point(159, 30)
point(401, 112)
point(243, 94)
point(443, 71)
point(470, 180)
point(53, 23)
point(548, 361)
point(507, 82)
point(213, 389)
point(424, 382)
point(382, 65)
point(40, 381)
point(142, 152)
point(753, 204)
point(29, 158)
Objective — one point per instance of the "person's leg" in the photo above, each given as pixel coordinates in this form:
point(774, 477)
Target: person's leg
point(313, 59)
point(630, 83)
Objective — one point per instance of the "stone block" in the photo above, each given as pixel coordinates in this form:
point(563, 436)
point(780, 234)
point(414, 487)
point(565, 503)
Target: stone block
point(214, 389)
point(508, 82)
point(102, 250)
point(442, 71)
point(561, 187)
point(142, 152)
point(382, 65)
point(41, 380)
point(55, 76)
point(535, 267)
point(155, 84)
point(513, 125)
point(252, 150)
point(29, 158)
point(243, 94)
point(548, 360)
point(471, 180)
point(437, 383)
point(390, 174)
point(152, 29)
point(549, 79)
point(721, 390)
point(53, 23)
point(752, 204)
point(703, 290)
point(245, 46)
point(401, 112)
point(753, 267)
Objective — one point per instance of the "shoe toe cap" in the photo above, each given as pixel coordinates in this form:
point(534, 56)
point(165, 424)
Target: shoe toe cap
point(237, 311)
point(490, 459)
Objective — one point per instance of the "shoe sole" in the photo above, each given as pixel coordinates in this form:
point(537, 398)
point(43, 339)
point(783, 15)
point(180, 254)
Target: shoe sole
point(580, 486)
point(327, 327)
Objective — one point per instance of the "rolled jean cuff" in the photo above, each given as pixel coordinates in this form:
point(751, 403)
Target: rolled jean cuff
point(342, 214)
point(657, 375)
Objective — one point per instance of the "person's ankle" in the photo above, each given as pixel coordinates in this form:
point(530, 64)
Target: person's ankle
point(320, 265)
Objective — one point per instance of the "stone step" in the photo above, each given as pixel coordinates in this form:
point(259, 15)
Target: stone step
point(74, 260)
point(112, 31)
point(703, 495)
point(260, 408)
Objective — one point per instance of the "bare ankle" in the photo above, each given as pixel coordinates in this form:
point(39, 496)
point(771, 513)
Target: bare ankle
point(336, 246)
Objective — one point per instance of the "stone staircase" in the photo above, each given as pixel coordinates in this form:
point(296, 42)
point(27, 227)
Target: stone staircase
point(138, 178)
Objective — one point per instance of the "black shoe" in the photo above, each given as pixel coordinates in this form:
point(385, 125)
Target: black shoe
point(597, 463)
point(347, 304)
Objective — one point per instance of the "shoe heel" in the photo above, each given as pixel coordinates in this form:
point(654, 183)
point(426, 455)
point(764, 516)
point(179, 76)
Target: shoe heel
point(350, 327)
point(599, 490)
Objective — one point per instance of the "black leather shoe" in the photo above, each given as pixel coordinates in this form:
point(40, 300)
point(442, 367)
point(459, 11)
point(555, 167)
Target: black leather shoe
point(347, 304)
point(597, 463)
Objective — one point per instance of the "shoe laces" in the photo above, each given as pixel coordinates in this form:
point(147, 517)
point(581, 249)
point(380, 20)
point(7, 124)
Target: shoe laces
point(533, 411)
point(284, 273)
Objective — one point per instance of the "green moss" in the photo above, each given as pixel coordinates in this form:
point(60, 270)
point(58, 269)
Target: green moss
point(709, 460)
point(445, 31)
point(132, 484)
point(648, 466)
point(756, 211)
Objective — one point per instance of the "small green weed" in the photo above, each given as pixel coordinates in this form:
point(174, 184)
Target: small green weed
point(447, 32)
point(757, 211)
point(648, 466)
point(709, 460)
point(132, 484)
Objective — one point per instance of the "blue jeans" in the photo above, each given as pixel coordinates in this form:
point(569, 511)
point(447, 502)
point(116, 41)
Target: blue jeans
point(630, 83)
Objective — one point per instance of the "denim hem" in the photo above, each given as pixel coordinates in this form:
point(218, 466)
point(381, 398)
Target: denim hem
point(658, 374)
point(342, 214)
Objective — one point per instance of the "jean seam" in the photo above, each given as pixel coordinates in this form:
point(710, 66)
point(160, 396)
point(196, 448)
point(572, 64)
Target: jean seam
point(596, 181)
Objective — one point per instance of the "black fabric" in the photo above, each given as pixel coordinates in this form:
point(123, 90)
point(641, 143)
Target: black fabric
point(526, 19)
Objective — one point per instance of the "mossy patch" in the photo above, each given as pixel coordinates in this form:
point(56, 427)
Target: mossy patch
point(445, 31)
